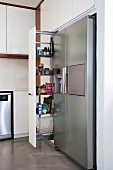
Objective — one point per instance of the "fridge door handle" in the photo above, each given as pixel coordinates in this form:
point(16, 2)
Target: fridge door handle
point(64, 80)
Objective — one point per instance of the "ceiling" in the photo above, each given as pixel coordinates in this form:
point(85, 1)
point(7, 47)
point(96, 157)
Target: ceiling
point(29, 3)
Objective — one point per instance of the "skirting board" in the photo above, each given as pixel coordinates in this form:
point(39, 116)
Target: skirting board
point(21, 135)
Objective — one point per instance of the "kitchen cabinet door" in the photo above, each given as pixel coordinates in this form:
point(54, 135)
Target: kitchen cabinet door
point(80, 6)
point(2, 28)
point(21, 117)
point(19, 22)
point(55, 13)
point(32, 87)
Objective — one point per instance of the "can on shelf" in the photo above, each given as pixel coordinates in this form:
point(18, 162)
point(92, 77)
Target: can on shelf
point(39, 108)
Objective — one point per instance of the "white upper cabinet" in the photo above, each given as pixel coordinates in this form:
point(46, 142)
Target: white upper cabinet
point(80, 6)
point(19, 22)
point(2, 29)
point(55, 13)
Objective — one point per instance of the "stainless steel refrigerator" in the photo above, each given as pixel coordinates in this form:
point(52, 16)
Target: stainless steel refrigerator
point(74, 63)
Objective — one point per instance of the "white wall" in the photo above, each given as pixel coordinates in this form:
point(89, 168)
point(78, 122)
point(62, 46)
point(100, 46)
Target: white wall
point(104, 82)
point(100, 84)
point(13, 74)
point(108, 81)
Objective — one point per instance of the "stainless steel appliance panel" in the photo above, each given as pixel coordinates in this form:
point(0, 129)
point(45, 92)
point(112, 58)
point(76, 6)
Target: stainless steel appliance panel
point(73, 118)
point(59, 122)
point(60, 104)
point(79, 115)
point(5, 115)
point(59, 56)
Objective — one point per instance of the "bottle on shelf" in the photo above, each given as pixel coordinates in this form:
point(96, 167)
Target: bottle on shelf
point(51, 47)
point(52, 106)
point(48, 51)
point(39, 51)
point(40, 69)
point(44, 108)
point(51, 70)
point(45, 50)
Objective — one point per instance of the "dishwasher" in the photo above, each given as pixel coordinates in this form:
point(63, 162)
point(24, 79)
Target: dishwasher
point(6, 115)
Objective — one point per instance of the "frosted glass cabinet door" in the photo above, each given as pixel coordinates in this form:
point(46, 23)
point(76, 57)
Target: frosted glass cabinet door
point(2, 29)
point(19, 22)
point(80, 6)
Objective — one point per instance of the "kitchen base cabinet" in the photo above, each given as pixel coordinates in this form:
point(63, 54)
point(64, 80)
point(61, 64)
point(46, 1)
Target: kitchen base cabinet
point(21, 118)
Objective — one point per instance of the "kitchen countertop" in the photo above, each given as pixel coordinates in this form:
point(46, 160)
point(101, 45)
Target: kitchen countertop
point(14, 90)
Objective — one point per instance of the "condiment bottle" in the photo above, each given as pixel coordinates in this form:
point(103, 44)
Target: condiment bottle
point(48, 51)
point(45, 50)
point(51, 47)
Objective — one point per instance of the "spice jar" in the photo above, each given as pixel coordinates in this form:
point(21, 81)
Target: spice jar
point(41, 68)
point(39, 90)
point(47, 71)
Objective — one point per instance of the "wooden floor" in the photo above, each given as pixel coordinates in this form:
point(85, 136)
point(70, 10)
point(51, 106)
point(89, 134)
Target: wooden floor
point(18, 154)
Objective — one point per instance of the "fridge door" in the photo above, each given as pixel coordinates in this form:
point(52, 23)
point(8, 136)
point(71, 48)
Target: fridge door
point(59, 56)
point(60, 98)
point(79, 115)
point(59, 122)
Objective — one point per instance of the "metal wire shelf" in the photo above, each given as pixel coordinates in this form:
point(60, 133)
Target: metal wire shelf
point(44, 129)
